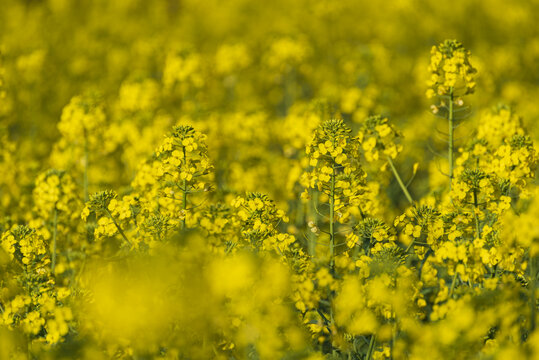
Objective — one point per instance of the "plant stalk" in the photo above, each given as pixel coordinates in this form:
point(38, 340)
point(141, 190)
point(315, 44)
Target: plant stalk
point(453, 283)
point(450, 118)
point(477, 227)
point(533, 301)
point(118, 227)
point(85, 170)
point(54, 236)
point(314, 214)
point(371, 347)
point(332, 250)
point(184, 190)
point(399, 180)
point(332, 223)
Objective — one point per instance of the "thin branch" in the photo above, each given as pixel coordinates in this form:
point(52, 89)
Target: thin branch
point(431, 149)
point(118, 227)
point(399, 180)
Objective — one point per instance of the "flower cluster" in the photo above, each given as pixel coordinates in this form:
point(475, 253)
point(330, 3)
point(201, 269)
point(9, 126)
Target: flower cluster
point(182, 70)
point(183, 168)
point(139, 95)
point(371, 235)
point(451, 71)
point(55, 191)
point(110, 214)
point(83, 120)
point(259, 218)
point(336, 172)
point(36, 305)
point(378, 138)
point(25, 245)
point(41, 317)
point(422, 223)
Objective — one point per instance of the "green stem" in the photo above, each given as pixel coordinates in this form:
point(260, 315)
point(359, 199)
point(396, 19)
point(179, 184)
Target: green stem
point(393, 338)
point(410, 246)
point(453, 283)
point(184, 190)
point(477, 227)
point(533, 301)
point(300, 213)
point(331, 223)
point(450, 118)
point(85, 170)
point(371, 347)
point(399, 180)
point(332, 249)
point(361, 213)
point(118, 227)
point(314, 214)
point(28, 347)
point(54, 236)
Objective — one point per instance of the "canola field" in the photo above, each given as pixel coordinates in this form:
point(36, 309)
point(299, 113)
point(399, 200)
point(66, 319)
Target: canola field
point(289, 179)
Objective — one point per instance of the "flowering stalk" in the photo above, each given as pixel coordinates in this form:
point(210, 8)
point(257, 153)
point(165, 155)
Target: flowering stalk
point(336, 172)
point(452, 76)
point(379, 138)
point(182, 163)
point(55, 197)
point(82, 124)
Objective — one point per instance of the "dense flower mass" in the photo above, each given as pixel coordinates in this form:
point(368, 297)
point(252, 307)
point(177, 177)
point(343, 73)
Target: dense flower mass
point(450, 69)
point(199, 180)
